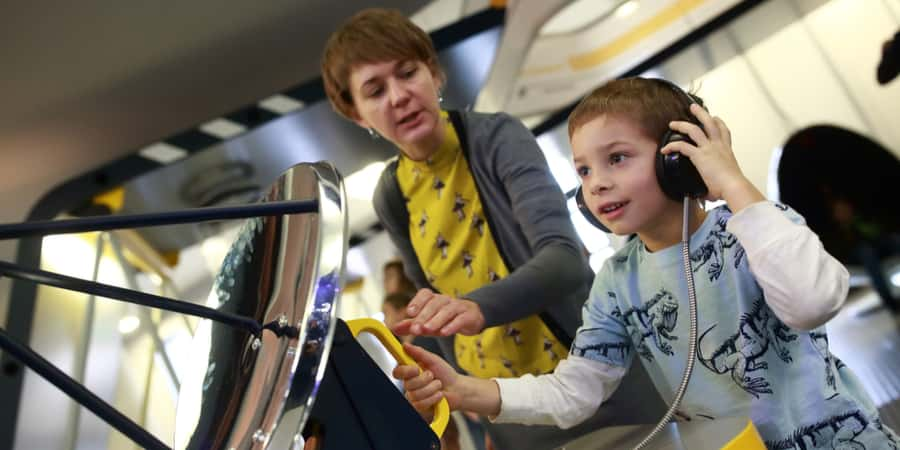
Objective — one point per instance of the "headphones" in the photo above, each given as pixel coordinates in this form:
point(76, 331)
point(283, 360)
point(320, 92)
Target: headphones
point(676, 175)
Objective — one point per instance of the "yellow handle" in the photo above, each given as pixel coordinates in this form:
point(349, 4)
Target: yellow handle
point(747, 439)
point(380, 331)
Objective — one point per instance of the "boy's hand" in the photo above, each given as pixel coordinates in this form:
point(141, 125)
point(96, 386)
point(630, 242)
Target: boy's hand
point(714, 159)
point(425, 388)
point(434, 314)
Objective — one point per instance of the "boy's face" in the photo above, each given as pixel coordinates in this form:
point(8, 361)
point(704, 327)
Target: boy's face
point(615, 160)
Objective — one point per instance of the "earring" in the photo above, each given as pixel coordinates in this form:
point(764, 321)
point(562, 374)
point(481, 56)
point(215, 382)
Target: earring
point(372, 133)
point(440, 97)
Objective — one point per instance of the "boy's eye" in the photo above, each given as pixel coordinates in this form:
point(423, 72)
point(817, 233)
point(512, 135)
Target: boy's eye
point(583, 171)
point(616, 158)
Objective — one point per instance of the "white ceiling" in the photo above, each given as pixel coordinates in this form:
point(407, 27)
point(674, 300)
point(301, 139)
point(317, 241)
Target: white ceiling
point(86, 83)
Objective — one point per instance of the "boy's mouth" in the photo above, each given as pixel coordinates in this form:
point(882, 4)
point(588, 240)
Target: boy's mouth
point(612, 210)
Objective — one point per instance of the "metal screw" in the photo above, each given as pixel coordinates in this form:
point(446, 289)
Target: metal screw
point(259, 436)
point(255, 344)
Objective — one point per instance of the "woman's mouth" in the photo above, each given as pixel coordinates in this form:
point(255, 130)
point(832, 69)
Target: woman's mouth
point(409, 119)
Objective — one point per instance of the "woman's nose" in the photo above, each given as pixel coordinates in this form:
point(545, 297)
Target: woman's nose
point(397, 93)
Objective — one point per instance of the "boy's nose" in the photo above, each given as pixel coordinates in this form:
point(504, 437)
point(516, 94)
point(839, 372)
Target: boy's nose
point(599, 185)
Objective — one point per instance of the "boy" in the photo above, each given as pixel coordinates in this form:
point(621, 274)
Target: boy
point(765, 288)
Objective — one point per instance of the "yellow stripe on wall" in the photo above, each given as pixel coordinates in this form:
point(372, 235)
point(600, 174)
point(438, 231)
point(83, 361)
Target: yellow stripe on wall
point(621, 44)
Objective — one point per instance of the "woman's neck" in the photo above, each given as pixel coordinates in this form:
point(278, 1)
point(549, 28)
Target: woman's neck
point(428, 145)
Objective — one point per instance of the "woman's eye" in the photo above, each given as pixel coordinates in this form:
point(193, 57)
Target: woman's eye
point(408, 73)
point(374, 92)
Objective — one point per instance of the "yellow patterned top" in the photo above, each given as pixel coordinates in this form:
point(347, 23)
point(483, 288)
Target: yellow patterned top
point(458, 254)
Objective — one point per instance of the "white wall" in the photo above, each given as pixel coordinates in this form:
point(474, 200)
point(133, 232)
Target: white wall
point(767, 81)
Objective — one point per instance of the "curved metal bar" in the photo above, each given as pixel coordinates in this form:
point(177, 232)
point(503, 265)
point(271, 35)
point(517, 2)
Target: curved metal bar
point(286, 272)
point(127, 295)
point(320, 316)
point(45, 227)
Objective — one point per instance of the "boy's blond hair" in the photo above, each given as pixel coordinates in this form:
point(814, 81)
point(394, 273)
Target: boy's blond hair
point(371, 36)
point(650, 103)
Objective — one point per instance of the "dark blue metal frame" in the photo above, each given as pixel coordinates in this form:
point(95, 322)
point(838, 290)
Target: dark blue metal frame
point(46, 227)
point(67, 384)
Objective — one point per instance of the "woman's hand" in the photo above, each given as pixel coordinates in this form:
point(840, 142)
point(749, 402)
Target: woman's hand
point(433, 314)
point(714, 159)
point(426, 387)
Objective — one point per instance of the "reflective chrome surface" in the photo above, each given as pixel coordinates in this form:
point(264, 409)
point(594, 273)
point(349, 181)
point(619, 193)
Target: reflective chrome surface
point(241, 391)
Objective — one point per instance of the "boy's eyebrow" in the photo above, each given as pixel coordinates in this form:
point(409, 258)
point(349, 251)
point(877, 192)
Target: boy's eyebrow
point(612, 144)
point(603, 148)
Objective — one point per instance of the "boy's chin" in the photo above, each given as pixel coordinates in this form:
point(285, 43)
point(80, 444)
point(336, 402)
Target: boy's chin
point(618, 229)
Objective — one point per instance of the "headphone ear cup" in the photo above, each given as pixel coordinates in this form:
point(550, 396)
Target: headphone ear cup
point(675, 173)
point(586, 211)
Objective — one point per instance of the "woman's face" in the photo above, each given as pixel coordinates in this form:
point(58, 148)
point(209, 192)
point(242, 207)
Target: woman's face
point(399, 99)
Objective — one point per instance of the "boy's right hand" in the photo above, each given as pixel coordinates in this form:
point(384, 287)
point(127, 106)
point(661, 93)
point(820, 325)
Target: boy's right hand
point(425, 387)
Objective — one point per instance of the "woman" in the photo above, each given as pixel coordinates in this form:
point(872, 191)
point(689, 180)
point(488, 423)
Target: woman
point(480, 223)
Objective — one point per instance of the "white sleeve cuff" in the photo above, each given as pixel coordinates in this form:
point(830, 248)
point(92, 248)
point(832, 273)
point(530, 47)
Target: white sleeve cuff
point(517, 401)
point(564, 398)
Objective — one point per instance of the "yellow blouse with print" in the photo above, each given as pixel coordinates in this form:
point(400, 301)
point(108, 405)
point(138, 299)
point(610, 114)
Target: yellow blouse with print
point(457, 252)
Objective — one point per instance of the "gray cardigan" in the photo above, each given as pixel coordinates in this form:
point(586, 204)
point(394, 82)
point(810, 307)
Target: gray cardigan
point(528, 218)
point(549, 273)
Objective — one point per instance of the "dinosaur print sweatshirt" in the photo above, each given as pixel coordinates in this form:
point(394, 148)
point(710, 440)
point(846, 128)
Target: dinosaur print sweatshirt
point(765, 288)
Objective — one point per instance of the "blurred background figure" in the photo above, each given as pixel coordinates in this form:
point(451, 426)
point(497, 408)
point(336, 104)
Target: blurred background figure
point(889, 66)
point(845, 185)
point(395, 280)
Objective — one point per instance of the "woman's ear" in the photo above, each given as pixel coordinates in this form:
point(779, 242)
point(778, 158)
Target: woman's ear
point(353, 114)
point(438, 76)
point(361, 122)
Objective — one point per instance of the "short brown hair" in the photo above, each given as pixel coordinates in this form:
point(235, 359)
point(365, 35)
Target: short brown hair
point(372, 35)
point(650, 103)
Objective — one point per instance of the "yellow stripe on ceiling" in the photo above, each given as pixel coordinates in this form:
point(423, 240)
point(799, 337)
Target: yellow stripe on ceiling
point(541, 70)
point(621, 44)
point(630, 39)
